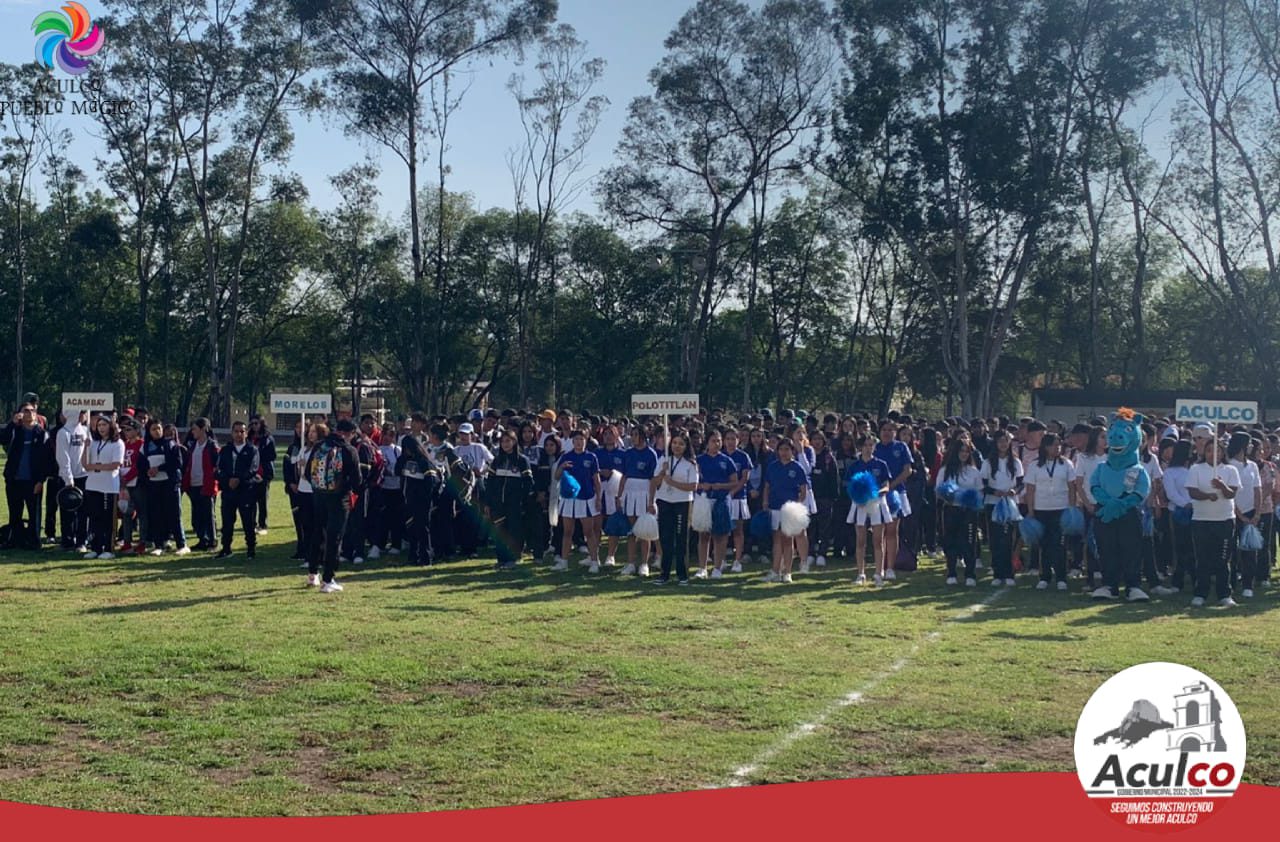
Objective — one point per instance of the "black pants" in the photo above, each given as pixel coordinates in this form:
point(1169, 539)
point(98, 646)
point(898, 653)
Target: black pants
point(842, 534)
point(673, 529)
point(929, 518)
point(508, 521)
point(1053, 553)
point(261, 493)
point(1267, 526)
point(418, 504)
point(466, 528)
point(536, 527)
point(303, 512)
point(202, 518)
point(1184, 555)
point(1246, 563)
point(1001, 548)
point(162, 513)
point(240, 502)
point(1164, 542)
point(330, 521)
point(353, 536)
point(442, 517)
point(99, 510)
point(1213, 540)
point(21, 495)
point(387, 518)
point(819, 527)
point(1120, 545)
point(960, 540)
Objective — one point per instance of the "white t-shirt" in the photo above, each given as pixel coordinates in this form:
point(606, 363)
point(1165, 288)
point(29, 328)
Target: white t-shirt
point(1152, 467)
point(1250, 481)
point(969, 477)
point(300, 462)
point(1175, 487)
point(104, 453)
point(1085, 463)
point(475, 456)
point(1201, 476)
point(1052, 482)
point(69, 448)
point(685, 471)
point(197, 464)
point(996, 474)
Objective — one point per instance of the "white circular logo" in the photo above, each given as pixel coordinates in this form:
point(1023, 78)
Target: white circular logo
point(1160, 746)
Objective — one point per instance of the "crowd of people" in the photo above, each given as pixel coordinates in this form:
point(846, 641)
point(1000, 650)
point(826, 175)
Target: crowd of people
point(553, 486)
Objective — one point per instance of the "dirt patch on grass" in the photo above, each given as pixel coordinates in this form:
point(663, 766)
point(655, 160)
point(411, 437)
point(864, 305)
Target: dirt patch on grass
point(873, 754)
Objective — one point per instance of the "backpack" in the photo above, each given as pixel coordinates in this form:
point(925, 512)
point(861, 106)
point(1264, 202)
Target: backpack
point(327, 466)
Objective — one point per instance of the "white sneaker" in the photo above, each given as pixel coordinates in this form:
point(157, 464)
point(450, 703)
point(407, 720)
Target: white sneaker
point(879, 580)
point(156, 552)
point(594, 568)
point(1062, 586)
point(82, 549)
point(717, 573)
point(644, 571)
point(313, 580)
point(821, 561)
point(183, 550)
point(629, 570)
point(1013, 583)
point(262, 531)
point(809, 559)
point(701, 574)
point(890, 574)
point(393, 551)
point(951, 580)
point(105, 556)
point(995, 583)
point(375, 553)
point(561, 565)
point(1102, 593)
point(1042, 585)
point(804, 566)
point(970, 583)
point(786, 579)
point(1198, 602)
point(737, 567)
point(357, 560)
point(610, 562)
point(1247, 593)
point(1138, 595)
point(585, 562)
point(861, 580)
point(1228, 602)
point(90, 555)
point(330, 587)
point(1161, 590)
point(772, 577)
point(343, 560)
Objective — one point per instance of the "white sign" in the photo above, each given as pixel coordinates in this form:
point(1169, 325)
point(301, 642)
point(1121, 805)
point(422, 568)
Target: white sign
point(664, 404)
point(1218, 412)
point(73, 402)
point(301, 403)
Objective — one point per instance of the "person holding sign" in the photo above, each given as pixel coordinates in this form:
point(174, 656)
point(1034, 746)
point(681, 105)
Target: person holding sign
point(1212, 487)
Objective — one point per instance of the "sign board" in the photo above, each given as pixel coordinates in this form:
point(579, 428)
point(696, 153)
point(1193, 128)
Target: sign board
point(664, 405)
point(1217, 412)
point(73, 402)
point(317, 404)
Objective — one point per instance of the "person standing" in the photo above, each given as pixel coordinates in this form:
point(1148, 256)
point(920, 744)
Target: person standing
point(785, 482)
point(200, 482)
point(583, 466)
point(507, 493)
point(477, 459)
point(960, 523)
point(162, 467)
point(101, 461)
point(387, 501)
point(739, 508)
point(1212, 485)
point(1002, 477)
point(718, 480)
point(69, 445)
point(421, 481)
point(674, 482)
point(898, 457)
point(871, 516)
point(133, 490)
point(238, 473)
point(25, 469)
point(299, 488)
point(1245, 562)
point(333, 469)
point(261, 439)
point(1050, 490)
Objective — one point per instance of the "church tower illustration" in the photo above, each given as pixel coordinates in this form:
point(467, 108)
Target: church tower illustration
point(1199, 720)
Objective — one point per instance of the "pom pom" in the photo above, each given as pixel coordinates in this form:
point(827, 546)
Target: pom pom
point(616, 525)
point(1072, 522)
point(1006, 511)
point(863, 488)
point(971, 499)
point(761, 526)
point(894, 500)
point(947, 491)
point(1032, 531)
point(795, 519)
point(700, 519)
point(646, 528)
point(1251, 539)
point(721, 523)
point(569, 486)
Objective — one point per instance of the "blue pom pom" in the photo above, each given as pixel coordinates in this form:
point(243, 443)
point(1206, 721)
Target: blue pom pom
point(721, 523)
point(894, 499)
point(1006, 511)
point(1251, 539)
point(569, 486)
point(761, 525)
point(1032, 531)
point(971, 499)
point(948, 491)
point(1072, 522)
point(617, 525)
point(863, 488)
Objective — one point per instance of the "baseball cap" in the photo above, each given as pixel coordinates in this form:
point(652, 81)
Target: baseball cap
point(476, 415)
point(31, 397)
point(549, 414)
point(466, 428)
point(1170, 432)
point(1202, 431)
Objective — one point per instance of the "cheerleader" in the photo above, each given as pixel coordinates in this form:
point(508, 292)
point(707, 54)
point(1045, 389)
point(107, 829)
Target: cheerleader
point(635, 495)
point(784, 482)
point(1002, 477)
point(896, 455)
point(1051, 488)
point(761, 454)
point(673, 485)
point(1245, 562)
point(610, 456)
point(739, 509)
point(805, 458)
point(583, 466)
point(718, 480)
point(960, 525)
point(872, 515)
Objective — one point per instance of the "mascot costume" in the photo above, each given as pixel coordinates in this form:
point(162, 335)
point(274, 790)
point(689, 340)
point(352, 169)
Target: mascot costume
point(1120, 486)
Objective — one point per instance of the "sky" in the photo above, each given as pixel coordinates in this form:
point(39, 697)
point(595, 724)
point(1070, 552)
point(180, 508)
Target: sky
point(627, 35)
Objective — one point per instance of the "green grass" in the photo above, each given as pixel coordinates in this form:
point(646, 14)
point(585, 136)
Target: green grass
point(188, 685)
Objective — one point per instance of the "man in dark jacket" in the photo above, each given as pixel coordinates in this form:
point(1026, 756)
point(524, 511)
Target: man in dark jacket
point(353, 537)
point(238, 476)
point(333, 470)
point(26, 446)
point(260, 437)
point(421, 481)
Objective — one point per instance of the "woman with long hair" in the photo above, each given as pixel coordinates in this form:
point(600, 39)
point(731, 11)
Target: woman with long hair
point(1094, 453)
point(718, 480)
point(960, 523)
point(298, 487)
point(1180, 509)
point(162, 471)
point(582, 509)
point(102, 459)
point(1051, 488)
point(805, 458)
point(785, 482)
point(1002, 477)
point(674, 484)
point(508, 491)
point(761, 454)
point(872, 515)
point(825, 481)
point(739, 508)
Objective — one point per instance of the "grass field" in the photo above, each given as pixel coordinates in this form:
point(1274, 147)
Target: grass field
point(187, 685)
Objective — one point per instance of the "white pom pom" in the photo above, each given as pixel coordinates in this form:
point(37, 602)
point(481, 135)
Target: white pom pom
point(646, 527)
point(795, 519)
point(700, 520)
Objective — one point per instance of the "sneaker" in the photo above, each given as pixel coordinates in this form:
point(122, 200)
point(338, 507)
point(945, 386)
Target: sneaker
point(261, 530)
point(879, 580)
point(809, 560)
point(330, 587)
point(684, 582)
point(560, 566)
point(821, 561)
point(1042, 585)
point(358, 560)
point(1062, 586)
point(737, 567)
point(1138, 595)
point(1013, 583)
point(375, 553)
point(629, 570)
point(594, 568)
point(951, 580)
point(969, 583)
point(313, 580)
point(701, 574)
point(1198, 602)
point(771, 577)
point(1161, 590)
point(890, 574)
point(1247, 593)
point(786, 579)
point(585, 562)
point(719, 574)
point(82, 549)
point(90, 555)
point(156, 552)
point(1102, 593)
point(977, 565)
point(343, 560)
point(224, 554)
point(995, 583)
point(184, 550)
point(1097, 577)
point(804, 565)
point(610, 562)
point(861, 580)
point(393, 551)
point(105, 556)
point(660, 581)
point(644, 571)
point(1228, 602)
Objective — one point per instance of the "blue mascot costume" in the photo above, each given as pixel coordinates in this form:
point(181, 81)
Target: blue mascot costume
point(1120, 486)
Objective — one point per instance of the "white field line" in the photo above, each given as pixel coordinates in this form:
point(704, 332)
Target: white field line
point(743, 774)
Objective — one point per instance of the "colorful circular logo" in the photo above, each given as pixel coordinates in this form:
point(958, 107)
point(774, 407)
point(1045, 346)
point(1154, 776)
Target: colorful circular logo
point(67, 39)
point(1160, 747)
